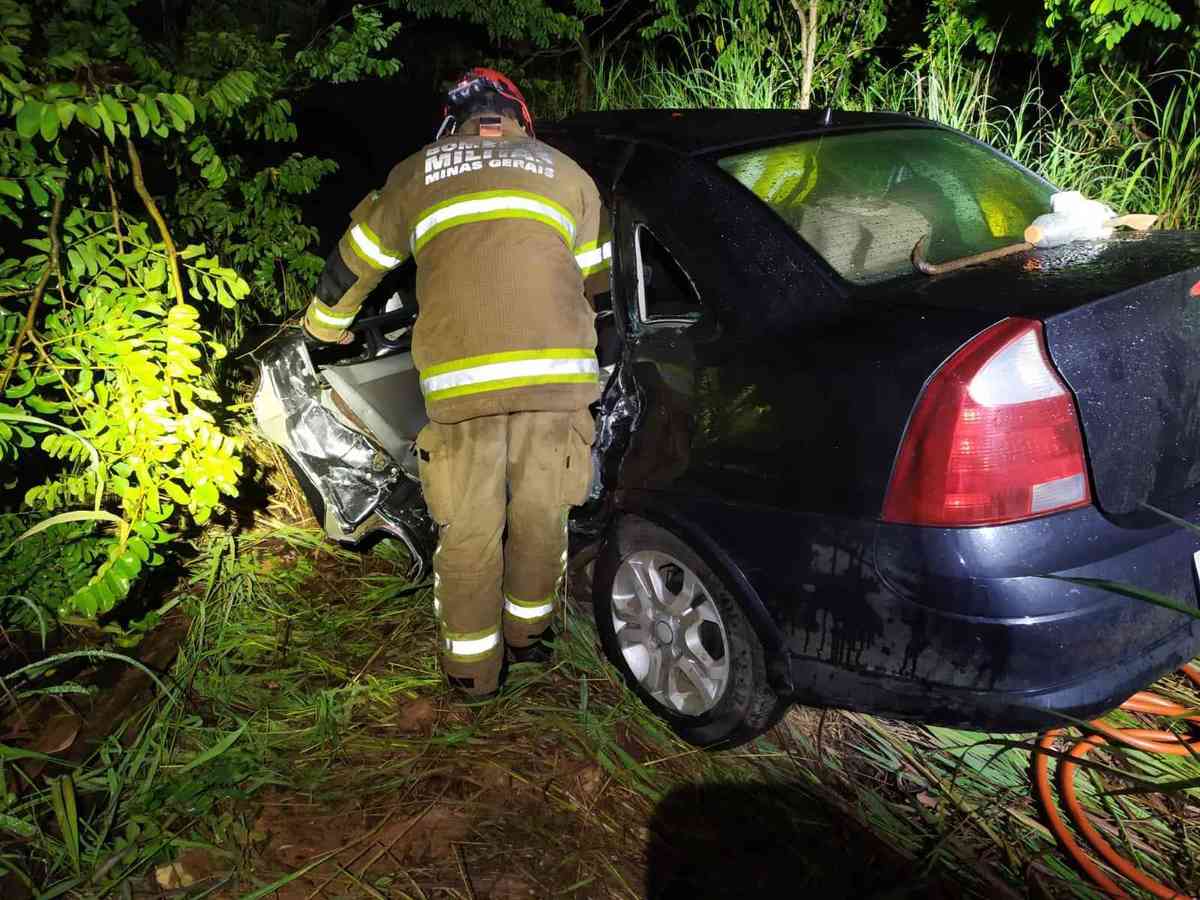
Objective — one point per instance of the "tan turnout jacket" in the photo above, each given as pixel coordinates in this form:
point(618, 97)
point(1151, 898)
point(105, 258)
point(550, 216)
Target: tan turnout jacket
point(504, 229)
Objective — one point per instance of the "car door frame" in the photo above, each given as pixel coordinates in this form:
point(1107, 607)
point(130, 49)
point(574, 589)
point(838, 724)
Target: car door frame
point(621, 405)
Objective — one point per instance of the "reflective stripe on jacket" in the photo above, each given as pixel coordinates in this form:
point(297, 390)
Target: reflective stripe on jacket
point(505, 230)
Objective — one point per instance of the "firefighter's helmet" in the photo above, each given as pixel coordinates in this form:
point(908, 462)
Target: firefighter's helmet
point(481, 90)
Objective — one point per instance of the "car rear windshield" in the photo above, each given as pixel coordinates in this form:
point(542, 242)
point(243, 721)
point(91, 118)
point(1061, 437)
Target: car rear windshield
point(863, 200)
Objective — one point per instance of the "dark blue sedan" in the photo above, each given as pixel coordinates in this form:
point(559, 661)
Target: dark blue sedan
point(825, 477)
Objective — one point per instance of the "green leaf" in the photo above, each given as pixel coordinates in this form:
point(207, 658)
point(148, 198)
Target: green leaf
point(206, 494)
point(38, 193)
point(127, 565)
point(139, 548)
point(86, 601)
point(62, 89)
point(29, 119)
point(186, 109)
point(45, 407)
point(107, 122)
point(156, 274)
point(20, 390)
point(174, 110)
point(49, 123)
point(17, 826)
point(106, 597)
point(115, 110)
point(164, 512)
point(66, 112)
point(153, 113)
point(143, 121)
point(175, 492)
point(117, 583)
point(11, 188)
point(87, 116)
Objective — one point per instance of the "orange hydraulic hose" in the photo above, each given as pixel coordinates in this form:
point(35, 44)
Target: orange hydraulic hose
point(1148, 739)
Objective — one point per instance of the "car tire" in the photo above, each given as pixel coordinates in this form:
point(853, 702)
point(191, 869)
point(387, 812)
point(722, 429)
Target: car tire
point(698, 664)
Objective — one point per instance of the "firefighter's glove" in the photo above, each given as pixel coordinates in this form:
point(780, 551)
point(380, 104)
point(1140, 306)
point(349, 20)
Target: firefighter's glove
point(325, 334)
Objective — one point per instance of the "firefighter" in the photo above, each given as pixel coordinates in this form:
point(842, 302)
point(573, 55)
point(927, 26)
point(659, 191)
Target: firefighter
point(504, 230)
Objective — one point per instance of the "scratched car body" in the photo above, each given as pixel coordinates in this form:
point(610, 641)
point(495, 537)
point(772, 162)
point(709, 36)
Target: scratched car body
point(820, 476)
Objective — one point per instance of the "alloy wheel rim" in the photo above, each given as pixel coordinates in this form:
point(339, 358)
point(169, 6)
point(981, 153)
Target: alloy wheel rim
point(670, 632)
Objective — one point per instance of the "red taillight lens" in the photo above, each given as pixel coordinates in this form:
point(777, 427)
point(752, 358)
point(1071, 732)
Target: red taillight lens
point(995, 437)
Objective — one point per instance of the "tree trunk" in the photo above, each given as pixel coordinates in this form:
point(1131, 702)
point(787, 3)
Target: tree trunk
point(809, 48)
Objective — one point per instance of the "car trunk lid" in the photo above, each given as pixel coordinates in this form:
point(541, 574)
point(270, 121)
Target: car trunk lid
point(1122, 327)
point(1132, 360)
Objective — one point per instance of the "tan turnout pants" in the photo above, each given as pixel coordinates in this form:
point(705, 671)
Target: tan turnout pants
point(521, 472)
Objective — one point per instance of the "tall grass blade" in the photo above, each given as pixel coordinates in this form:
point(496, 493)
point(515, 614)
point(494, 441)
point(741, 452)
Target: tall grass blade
point(57, 890)
point(89, 654)
point(1129, 590)
point(12, 754)
point(35, 608)
point(77, 515)
point(62, 797)
point(1183, 523)
point(216, 749)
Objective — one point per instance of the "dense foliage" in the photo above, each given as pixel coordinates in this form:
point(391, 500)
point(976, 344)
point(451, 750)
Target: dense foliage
point(109, 413)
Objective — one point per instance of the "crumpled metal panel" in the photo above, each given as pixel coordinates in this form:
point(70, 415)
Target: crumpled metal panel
point(352, 474)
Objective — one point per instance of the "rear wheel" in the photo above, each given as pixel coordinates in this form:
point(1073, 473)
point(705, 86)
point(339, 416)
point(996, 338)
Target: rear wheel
point(678, 636)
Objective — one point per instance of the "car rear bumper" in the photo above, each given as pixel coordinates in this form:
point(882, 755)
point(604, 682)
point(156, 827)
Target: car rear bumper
point(971, 627)
point(998, 639)
point(820, 683)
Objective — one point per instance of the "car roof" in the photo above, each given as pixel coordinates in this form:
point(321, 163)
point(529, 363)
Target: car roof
point(694, 132)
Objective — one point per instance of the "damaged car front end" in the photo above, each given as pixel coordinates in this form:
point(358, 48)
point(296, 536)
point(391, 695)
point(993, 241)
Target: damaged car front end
point(346, 419)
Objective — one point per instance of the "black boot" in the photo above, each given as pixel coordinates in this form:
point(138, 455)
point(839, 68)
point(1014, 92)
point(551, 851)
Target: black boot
point(541, 651)
point(465, 686)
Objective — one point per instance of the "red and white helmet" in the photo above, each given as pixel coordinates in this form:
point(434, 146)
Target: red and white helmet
point(475, 82)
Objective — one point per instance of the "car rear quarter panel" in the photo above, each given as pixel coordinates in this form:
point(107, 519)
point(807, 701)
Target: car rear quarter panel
point(772, 432)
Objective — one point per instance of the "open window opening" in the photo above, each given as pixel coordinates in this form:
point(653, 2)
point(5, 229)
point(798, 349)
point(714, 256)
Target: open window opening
point(666, 293)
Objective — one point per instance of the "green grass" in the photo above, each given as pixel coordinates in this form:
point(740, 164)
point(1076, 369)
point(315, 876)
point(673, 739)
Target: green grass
point(299, 664)
point(295, 689)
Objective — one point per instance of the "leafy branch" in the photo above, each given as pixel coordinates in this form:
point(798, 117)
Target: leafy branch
point(39, 291)
point(139, 184)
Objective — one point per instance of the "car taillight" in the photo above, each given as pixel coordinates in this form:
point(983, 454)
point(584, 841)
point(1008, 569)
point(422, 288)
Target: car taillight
point(994, 438)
